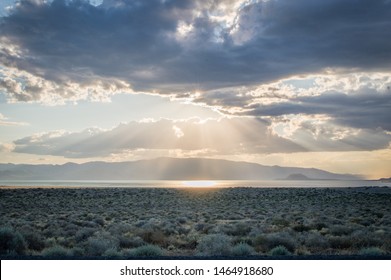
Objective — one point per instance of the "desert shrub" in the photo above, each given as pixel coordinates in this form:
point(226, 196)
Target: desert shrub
point(119, 228)
point(99, 220)
point(169, 228)
point(367, 222)
point(280, 222)
point(372, 251)
point(214, 245)
point(340, 242)
point(98, 245)
point(238, 229)
point(70, 230)
point(77, 251)
point(189, 242)
point(65, 242)
point(279, 251)
point(153, 236)
point(242, 249)
point(301, 228)
point(112, 253)
point(339, 230)
point(269, 241)
point(319, 225)
point(49, 232)
point(366, 239)
point(199, 226)
point(34, 241)
point(146, 251)
point(83, 234)
point(182, 220)
point(11, 242)
point(316, 242)
point(387, 242)
point(302, 251)
point(56, 252)
point(130, 242)
point(184, 230)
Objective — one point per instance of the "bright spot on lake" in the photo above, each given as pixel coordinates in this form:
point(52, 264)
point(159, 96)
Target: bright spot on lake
point(199, 183)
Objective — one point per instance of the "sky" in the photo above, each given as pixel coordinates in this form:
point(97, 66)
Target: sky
point(303, 83)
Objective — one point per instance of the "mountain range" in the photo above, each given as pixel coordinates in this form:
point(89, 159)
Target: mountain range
point(163, 169)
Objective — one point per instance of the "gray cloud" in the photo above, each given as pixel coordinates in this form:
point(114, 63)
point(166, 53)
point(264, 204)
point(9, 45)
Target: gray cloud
point(136, 42)
point(367, 110)
point(330, 137)
point(234, 136)
point(218, 137)
point(68, 50)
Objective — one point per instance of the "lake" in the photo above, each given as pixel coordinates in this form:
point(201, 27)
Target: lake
point(202, 183)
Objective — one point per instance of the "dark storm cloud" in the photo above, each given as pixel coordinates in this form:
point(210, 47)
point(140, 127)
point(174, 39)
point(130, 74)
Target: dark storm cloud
point(369, 110)
point(75, 40)
point(135, 41)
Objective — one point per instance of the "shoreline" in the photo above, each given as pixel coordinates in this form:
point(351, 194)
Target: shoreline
point(191, 183)
point(363, 189)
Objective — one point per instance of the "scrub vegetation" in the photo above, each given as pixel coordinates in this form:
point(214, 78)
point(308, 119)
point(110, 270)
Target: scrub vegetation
point(234, 222)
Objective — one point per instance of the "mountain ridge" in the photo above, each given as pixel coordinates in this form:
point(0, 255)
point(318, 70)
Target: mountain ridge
point(163, 168)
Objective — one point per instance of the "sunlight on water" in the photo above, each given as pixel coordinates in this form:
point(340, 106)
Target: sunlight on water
point(199, 183)
point(190, 183)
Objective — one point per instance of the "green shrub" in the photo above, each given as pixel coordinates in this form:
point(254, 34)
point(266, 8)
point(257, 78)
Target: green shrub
point(100, 221)
point(214, 245)
point(11, 242)
point(146, 251)
point(56, 252)
point(366, 239)
point(279, 251)
point(316, 242)
point(77, 251)
point(83, 234)
point(341, 230)
point(340, 242)
point(242, 249)
point(34, 241)
point(98, 245)
point(266, 242)
point(112, 253)
point(372, 251)
point(130, 241)
point(301, 228)
point(239, 229)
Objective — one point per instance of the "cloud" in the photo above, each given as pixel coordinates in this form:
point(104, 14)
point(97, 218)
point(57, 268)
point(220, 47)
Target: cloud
point(357, 111)
point(22, 86)
point(212, 138)
point(358, 100)
point(320, 133)
point(312, 74)
point(63, 48)
point(5, 122)
point(6, 147)
point(225, 136)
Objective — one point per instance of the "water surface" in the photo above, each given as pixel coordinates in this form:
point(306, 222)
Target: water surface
point(187, 184)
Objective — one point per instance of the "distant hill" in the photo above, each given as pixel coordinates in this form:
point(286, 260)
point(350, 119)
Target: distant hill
point(385, 180)
point(297, 176)
point(161, 169)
